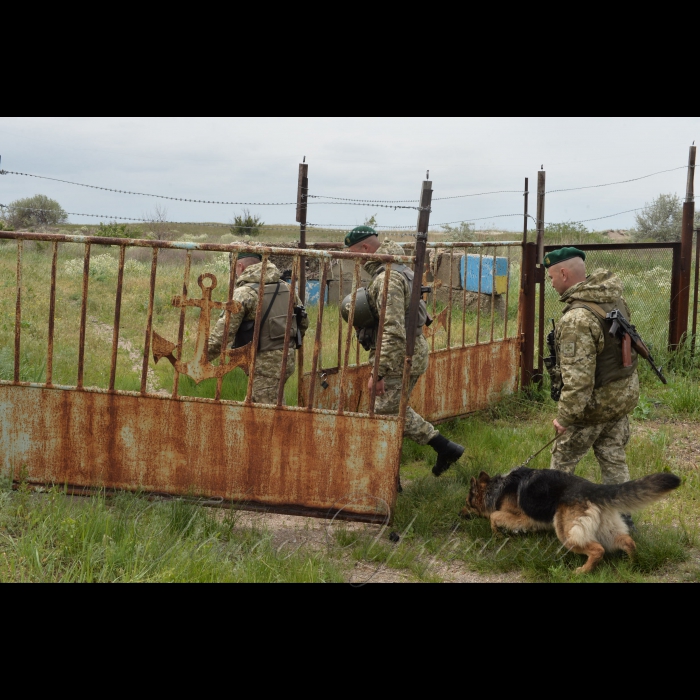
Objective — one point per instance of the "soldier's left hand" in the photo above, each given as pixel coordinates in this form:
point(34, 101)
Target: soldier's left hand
point(559, 428)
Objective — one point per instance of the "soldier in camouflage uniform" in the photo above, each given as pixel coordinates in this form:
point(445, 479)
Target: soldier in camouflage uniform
point(268, 366)
point(597, 392)
point(391, 363)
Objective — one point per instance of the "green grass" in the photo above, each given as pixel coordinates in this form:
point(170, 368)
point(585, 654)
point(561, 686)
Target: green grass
point(54, 539)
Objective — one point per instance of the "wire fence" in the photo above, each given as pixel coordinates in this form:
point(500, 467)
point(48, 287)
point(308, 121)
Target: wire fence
point(646, 277)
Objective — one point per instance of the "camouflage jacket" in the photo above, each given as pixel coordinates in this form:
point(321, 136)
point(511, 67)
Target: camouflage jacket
point(247, 297)
point(579, 341)
point(391, 362)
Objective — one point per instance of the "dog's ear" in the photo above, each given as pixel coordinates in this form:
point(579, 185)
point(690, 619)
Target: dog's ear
point(484, 478)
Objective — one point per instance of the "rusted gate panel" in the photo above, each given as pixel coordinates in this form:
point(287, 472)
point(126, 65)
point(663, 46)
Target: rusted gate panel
point(458, 382)
point(463, 380)
point(285, 460)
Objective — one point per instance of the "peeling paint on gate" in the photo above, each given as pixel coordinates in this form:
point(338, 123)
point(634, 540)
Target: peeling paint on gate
point(458, 382)
point(284, 460)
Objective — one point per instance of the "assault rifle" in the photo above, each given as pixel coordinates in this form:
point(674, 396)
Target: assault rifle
point(551, 364)
point(627, 333)
point(300, 313)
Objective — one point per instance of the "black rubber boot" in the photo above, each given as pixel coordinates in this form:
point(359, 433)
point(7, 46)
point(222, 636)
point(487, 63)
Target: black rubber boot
point(448, 453)
point(627, 520)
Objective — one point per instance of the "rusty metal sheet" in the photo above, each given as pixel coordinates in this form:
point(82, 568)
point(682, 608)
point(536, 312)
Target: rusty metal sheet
point(458, 382)
point(281, 460)
point(464, 380)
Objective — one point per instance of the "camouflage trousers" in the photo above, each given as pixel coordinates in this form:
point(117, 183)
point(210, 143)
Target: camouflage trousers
point(608, 441)
point(268, 368)
point(417, 429)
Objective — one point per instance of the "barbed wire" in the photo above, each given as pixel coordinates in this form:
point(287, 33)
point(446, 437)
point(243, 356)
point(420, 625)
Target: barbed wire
point(621, 182)
point(479, 194)
point(134, 220)
point(359, 200)
point(348, 203)
point(154, 196)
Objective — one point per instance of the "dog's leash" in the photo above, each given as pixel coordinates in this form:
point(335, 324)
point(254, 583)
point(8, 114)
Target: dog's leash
point(535, 456)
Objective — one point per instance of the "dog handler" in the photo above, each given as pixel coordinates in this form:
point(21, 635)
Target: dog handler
point(391, 364)
point(597, 392)
point(268, 367)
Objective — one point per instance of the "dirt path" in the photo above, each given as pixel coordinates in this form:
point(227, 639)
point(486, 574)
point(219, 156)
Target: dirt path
point(290, 534)
point(106, 333)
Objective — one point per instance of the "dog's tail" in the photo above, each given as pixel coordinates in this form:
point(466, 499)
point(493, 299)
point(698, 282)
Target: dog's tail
point(636, 495)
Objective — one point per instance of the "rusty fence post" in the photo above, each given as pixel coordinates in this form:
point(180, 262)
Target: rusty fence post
point(541, 201)
point(683, 299)
point(426, 201)
point(697, 290)
point(529, 296)
point(302, 214)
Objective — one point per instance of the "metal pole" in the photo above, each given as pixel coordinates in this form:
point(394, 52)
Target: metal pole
point(697, 290)
point(686, 254)
point(302, 212)
point(426, 201)
point(541, 197)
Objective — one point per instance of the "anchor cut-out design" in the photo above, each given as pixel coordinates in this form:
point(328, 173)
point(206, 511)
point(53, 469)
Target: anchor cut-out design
point(200, 369)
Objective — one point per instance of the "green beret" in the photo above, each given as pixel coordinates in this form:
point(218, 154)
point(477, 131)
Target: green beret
point(244, 256)
point(562, 255)
point(361, 233)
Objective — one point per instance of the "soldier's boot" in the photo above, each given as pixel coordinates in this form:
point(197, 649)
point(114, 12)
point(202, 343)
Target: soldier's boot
point(627, 520)
point(448, 453)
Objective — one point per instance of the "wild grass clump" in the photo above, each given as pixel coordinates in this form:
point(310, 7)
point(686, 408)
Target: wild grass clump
point(54, 539)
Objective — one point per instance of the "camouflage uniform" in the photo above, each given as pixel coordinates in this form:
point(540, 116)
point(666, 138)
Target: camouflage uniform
point(391, 363)
point(268, 366)
point(595, 418)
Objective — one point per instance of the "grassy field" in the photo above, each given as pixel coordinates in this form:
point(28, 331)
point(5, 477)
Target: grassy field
point(50, 537)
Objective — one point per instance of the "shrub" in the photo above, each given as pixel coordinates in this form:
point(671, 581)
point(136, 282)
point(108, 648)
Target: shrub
point(34, 212)
point(247, 225)
point(661, 220)
point(115, 230)
point(463, 233)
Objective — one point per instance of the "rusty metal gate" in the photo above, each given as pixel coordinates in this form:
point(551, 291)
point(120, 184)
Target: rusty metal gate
point(474, 339)
point(81, 436)
point(72, 416)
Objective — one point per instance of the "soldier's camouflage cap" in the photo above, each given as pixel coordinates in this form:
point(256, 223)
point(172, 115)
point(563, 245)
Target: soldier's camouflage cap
point(244, 256)
point(562, 255)
point(359, 234)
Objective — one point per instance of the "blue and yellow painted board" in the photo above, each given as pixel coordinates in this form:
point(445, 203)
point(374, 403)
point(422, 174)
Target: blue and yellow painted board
point(313, 293)
point(470, 274)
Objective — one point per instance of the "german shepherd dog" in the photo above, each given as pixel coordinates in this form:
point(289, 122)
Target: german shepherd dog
point(587, 517)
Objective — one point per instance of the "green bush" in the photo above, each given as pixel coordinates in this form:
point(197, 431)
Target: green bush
point(662, 220)
point(247, 225)
point(463, 233)
point(34, 212)
point(115, 230)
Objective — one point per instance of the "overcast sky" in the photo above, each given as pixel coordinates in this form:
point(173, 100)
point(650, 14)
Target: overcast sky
point(255, 159)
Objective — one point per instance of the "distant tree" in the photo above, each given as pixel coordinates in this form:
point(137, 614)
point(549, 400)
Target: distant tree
point(661, 221)
point(372, 222)
point(157, 222)
point(463, 233)
point(34, 212)
point(247, 225)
